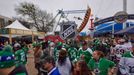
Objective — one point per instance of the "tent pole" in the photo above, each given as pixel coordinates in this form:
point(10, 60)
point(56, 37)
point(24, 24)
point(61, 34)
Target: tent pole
point(32, 36)
point(10, 38)
point(113, 30)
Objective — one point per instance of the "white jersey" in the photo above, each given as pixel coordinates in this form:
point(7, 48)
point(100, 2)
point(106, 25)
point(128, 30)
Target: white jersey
point(128, 45)
point(127, 65)
point(119, 50)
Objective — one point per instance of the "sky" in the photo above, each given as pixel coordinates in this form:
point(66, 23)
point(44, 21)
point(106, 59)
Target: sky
point(100, 8)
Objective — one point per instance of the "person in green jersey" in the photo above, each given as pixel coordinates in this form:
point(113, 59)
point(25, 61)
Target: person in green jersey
point(96, 43)
point(20, 56)
point(25, 47)
point(72, 53)
point(126, 64)
point(7, 63)
point(84, 53)
point(100, 65)
point(57, 50)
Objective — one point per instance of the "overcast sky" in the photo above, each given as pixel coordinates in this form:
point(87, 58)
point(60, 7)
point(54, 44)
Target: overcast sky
point(100, 8)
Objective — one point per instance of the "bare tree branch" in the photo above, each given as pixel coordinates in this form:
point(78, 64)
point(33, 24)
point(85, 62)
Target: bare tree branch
point(41, 19)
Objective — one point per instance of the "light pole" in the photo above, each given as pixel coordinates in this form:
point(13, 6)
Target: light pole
point(125, 5)
point(125, 10)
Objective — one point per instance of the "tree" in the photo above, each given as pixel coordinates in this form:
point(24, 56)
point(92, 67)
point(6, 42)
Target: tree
point(40, 19)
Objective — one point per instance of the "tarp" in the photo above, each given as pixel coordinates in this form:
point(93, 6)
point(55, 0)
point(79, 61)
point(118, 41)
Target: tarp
point(17, 25)
point(129, 30)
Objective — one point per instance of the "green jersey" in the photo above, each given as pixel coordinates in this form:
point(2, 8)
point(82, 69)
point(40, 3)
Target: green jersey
point(25, 49)
point(66, 46)
point(86, 53)
point(72, 52)
point(101, 67)
point(56, 54)
point(20, 57)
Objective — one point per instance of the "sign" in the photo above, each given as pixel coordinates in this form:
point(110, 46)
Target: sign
point(26, 32)
point(131, 16)
point(68, 30)
point(19, 32)
point(4, 31)
point(120, 17)
point(12, 31)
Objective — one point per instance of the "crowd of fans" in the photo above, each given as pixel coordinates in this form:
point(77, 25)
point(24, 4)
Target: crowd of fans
point(95, 57)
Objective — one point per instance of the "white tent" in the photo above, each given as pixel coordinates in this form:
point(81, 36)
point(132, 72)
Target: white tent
point(17, 25)
point(17, 29)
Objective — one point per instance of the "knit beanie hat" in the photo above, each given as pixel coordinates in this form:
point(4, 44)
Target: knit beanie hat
point(7, 59)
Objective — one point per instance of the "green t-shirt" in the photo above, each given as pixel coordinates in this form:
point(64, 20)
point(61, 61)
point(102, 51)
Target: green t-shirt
point(86, 53)
point(20, 56)
point(101, 67)
point(72, 52)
